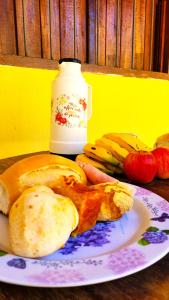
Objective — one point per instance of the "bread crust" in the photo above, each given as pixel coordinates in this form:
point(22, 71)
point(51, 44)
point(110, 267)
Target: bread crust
point(10, 184)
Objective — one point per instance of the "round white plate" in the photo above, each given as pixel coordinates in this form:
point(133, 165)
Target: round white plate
point(109, 251)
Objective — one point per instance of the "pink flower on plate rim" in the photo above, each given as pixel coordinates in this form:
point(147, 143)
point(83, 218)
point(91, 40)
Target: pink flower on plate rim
point(125, 260)
point(163, 205)
point(142, 192)
point(57, 277)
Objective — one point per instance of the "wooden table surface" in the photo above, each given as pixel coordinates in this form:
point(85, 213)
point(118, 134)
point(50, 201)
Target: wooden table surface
point(149, 284)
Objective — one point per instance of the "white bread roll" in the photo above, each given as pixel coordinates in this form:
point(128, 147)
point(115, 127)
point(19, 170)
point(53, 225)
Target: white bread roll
point(38, 169)
point(40, 222)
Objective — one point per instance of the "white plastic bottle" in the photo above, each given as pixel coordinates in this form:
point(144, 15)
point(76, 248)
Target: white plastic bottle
point(71, 108)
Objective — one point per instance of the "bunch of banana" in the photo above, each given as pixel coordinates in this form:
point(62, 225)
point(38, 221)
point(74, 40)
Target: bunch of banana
point(108, 152)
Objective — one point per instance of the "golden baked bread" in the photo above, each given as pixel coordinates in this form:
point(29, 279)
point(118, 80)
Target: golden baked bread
point(100, 202)
point(117, 201)
point(37, 169)
point(40, 222)
point(86, 199)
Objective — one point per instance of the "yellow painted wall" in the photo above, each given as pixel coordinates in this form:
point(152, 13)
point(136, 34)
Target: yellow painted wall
point(120, 104)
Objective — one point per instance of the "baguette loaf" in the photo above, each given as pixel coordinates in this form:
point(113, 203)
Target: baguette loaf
point(38, 169)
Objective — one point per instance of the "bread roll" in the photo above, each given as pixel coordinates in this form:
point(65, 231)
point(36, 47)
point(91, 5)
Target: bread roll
point(40, 222)
point(38, 169)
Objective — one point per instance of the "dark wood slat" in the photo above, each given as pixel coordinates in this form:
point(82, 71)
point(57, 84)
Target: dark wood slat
point(20, 27)
point(157, 35)
point(45, 28)
point(55, 29)
point(161, 44)
point(91, 32)
point(166, 46)
point(67, 28)
point(162, 33)
point(80, 30)
point(111, 32)
point(153, 33)
point(118, 33)
point(149, 35)
point(32, 62)
point(139, 34)
point(32, 28)
point(7, 27)
point(101, 37)
point(126, 34)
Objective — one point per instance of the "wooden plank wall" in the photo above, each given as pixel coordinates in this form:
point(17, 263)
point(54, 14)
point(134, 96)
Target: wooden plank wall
point(161, 43)
point(118, 33)
point(123, 35)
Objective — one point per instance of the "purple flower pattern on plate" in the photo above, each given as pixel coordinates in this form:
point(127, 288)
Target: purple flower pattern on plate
point(153, 236)
point(161, 218)
point(156, 237)
point(57, 277)
point(95, 237)
point(125, 260)
point(18, 263)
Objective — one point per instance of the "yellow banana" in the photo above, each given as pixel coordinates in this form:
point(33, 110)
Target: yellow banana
point(100, 154)
point(118, 152)
point(83, 158)
point(128, 141)
point(162, 141)
point(115, 169)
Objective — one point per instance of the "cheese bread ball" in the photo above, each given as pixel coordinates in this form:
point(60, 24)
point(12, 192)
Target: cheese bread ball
point(40, 222)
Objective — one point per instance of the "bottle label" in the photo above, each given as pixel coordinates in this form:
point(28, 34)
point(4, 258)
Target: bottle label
point(70, 111)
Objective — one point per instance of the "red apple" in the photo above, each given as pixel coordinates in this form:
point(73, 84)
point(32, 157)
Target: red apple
point(162, 157)
point(140, 166)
